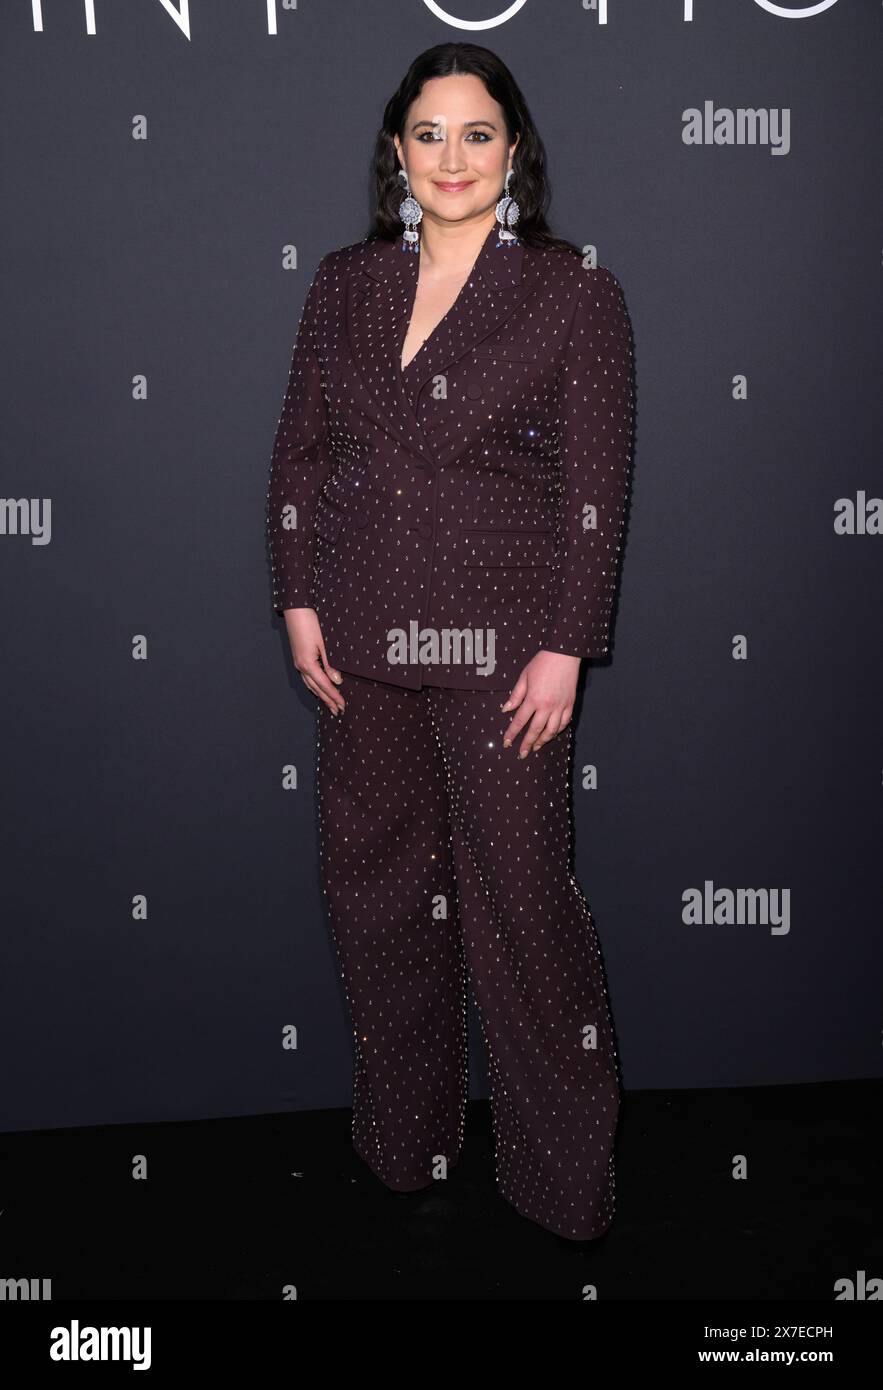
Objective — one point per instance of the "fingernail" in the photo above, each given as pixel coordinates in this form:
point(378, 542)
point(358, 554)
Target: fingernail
point(506, 742)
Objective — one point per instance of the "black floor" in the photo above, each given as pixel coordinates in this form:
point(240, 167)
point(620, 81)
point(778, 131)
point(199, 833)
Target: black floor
point(248, 1208)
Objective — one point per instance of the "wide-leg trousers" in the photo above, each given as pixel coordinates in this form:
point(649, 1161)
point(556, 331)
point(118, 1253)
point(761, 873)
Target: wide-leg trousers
point(445, 859)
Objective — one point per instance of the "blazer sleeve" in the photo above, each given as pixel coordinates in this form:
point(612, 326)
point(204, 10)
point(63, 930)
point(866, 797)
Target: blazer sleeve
point(596, 427)
point(300, 463)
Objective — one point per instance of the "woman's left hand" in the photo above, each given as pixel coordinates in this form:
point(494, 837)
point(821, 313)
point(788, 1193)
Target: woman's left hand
point(544, 694)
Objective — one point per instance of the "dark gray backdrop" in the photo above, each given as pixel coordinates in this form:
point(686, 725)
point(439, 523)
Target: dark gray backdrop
point(162, 777)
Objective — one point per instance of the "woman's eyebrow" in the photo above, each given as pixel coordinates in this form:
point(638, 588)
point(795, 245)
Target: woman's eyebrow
point(465, 123)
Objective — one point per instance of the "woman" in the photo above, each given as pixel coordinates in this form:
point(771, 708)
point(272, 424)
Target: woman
point(445, 514)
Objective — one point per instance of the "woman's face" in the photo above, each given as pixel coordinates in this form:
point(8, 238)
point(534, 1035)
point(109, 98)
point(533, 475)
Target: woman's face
point(455, 149)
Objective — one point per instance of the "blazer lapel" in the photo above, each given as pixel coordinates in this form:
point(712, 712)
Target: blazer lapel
point(380, 298)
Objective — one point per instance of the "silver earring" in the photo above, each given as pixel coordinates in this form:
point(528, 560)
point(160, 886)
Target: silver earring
point(507, 215)
point(411, 213)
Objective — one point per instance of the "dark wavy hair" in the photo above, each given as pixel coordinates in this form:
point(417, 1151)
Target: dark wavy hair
point(530, 183)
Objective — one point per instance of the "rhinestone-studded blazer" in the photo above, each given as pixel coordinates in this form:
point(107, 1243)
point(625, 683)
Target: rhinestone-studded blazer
point(482, 488)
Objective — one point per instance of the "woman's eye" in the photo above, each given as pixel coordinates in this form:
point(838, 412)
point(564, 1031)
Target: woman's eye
point(426, 136)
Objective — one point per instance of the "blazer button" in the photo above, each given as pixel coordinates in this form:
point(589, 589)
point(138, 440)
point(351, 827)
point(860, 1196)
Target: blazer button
point(474, 391)
point(360, 518)
point(425, 530)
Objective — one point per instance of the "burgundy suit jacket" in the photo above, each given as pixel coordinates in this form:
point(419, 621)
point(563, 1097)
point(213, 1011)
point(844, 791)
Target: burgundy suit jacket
point(477, 498)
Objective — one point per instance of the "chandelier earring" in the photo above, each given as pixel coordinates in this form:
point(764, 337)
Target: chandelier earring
point(411, 214)
point(506, 213)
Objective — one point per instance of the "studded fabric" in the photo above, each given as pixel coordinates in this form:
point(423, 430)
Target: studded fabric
point(445, 857)
point(483, 488)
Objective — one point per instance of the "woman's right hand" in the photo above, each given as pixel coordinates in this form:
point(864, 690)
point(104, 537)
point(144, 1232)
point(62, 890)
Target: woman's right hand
point(308, 655)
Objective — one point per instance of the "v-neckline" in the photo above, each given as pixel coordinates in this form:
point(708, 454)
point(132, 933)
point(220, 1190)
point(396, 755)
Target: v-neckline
point(409, 308)
point(413, 359)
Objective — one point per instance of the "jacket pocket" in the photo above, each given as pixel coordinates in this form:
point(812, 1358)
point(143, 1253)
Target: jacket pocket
point(327, 522)
point(505, 352)
point(491, 547)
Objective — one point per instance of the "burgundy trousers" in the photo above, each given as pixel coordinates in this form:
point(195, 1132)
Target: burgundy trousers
point(446, 858)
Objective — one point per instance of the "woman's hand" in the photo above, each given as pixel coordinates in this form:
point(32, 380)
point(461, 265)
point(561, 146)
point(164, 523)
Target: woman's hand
point(308, 655)
point(544, 693)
